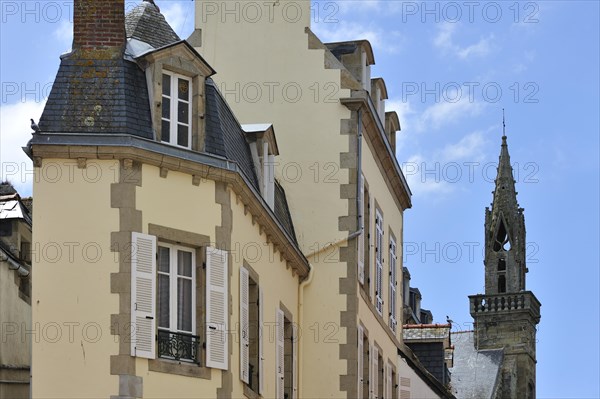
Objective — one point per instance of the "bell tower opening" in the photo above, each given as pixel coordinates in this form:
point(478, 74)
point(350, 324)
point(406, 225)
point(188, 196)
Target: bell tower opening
point(502, 241)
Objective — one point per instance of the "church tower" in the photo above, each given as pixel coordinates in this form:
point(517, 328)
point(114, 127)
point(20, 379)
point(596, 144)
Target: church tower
point(507, 314)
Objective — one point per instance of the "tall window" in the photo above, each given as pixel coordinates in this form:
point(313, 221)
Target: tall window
point(250, 321)
point(393, 274)
point(285, 357)
point(378, 261)
point(176, 110)
point(176, 314)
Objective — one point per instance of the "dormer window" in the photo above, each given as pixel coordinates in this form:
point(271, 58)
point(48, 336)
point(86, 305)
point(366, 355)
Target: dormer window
point(176, 110)
point(263, 147)
point(366, 71)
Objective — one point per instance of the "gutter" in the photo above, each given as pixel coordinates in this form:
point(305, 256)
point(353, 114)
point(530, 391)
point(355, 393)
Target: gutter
point(13, 264)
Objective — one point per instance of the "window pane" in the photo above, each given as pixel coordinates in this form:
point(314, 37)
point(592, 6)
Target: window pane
point(166, 108)
point(166, 131)
point(163, 301)
point(183, 112)
point(184, 306)
point(182, 135)
point(184, 90)
point(184, 263)
point(163, 259)
point(166, 84)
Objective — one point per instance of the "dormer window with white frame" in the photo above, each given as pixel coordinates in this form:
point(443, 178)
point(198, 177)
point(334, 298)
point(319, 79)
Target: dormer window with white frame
point(263, 147)
point(176, 110)
point(176, 80)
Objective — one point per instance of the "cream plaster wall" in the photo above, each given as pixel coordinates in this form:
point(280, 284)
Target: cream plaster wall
point(71, 295)
point(275, 78)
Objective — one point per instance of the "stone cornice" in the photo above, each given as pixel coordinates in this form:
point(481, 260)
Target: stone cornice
point(82, 147)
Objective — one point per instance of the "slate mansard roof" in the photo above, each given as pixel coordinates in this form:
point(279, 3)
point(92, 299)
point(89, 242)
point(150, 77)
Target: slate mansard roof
point(476, 373)
point(110, 96)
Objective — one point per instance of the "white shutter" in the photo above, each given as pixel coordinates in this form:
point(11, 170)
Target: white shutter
point(295, 360)
point(280, 361)
point(143, 295)
point(261, 374)
point(359, 370)
point(244, 326)
point(216, 309)
point(374, 379)
point(393, 272)
point(371, 233)
point(379, 261)
point(361, 237)
point(388, 385)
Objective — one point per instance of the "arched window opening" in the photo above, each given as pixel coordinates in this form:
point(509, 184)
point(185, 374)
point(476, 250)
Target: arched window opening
point(502, 242)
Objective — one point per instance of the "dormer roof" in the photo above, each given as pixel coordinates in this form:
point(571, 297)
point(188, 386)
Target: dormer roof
point(349, 47)
point(145, 23)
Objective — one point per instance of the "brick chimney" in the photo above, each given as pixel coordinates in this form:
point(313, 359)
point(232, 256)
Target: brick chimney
point(99, 28)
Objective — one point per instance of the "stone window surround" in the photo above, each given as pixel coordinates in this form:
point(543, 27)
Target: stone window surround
point(179, 60)
point(198, 242)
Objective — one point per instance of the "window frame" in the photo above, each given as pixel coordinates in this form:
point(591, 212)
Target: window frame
point(173, 121)
point(173, 286)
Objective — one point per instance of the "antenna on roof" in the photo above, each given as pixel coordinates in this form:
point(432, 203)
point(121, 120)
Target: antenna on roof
point(503, 124)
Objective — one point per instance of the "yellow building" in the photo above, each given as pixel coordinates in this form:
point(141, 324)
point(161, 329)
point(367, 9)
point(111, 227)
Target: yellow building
point(188, 250)
point(346, 191)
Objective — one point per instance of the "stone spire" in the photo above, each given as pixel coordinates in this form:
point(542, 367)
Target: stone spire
point(505, 233)
point(506, 315)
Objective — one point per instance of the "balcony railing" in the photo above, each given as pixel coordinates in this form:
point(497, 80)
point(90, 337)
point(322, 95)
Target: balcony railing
point(524, 300)
point(178, 346)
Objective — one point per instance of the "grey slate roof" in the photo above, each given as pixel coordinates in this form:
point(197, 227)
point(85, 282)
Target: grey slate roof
point(147, 24)
point(282, 211)
point(476, 374)
point(98, 96)
point(224, 135)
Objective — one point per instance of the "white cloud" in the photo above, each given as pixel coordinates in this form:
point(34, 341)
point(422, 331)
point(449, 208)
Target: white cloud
point(386, 41)
point(421, 183)
point(343, 31)
point(469, 148)
point(443, 113)
point(444, 41)
point(481, 48)
point(15, 131)
point(427, 176)
point(64, 34)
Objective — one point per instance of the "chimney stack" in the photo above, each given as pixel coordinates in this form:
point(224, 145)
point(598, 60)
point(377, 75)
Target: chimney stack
point(99, 28)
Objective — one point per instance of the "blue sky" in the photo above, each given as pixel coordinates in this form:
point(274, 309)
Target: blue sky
point(450, 69)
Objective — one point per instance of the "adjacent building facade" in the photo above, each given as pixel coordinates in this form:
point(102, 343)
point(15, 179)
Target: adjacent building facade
point(15, 288)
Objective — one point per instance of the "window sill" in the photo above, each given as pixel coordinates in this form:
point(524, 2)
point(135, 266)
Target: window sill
point(249, 393)
point(178, 368)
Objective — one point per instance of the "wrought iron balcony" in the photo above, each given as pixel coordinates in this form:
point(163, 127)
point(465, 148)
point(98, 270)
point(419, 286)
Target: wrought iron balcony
point(178, 346)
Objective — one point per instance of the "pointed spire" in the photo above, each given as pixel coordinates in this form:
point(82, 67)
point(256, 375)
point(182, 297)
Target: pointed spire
point(505, 194)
